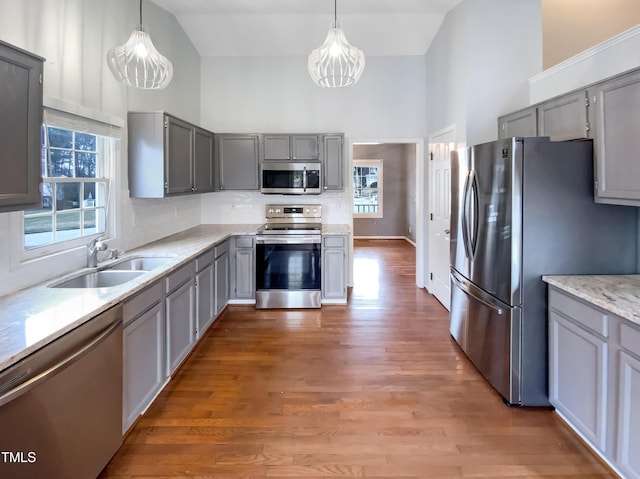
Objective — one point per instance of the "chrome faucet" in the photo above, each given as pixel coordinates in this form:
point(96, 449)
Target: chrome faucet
point(93, 246)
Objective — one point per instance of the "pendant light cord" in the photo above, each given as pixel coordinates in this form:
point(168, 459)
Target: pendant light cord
point(335, 13)
point(140, 12)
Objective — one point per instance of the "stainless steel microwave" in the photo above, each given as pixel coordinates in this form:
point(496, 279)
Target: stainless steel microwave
point(291, 177)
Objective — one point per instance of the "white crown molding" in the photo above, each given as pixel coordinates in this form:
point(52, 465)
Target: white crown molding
point(615, 55)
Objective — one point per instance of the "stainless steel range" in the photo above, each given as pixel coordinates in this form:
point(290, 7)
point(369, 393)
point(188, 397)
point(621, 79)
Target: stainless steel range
point(288, 250)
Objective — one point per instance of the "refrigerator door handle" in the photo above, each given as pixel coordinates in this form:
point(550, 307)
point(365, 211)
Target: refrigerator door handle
point(473, 230)
point(465, 216)
point(467, 288)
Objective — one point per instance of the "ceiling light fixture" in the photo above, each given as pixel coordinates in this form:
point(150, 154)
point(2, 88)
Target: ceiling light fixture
point(336, 63)
point(138, 64)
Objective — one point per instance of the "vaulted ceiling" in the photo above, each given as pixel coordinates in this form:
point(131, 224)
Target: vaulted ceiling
point(295, 27)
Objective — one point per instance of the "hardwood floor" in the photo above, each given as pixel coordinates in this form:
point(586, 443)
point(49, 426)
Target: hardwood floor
point(373, 389)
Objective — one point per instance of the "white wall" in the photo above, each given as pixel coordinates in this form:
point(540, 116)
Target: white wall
point(74, 36)
point(479, 64)
point(276, 94)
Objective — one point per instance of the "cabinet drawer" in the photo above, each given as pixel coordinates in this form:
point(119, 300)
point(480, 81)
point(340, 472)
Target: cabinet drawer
point(180, 276)
point(587, 316)
point(630, 339)
point(244, 241)
point(141, 302)
point(204, 260)
point(220, 249)
point(333, 241)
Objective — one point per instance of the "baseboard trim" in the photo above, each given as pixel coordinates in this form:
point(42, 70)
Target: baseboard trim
point(408, 240)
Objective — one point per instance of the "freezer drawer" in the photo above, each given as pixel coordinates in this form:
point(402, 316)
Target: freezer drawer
point(488, 332)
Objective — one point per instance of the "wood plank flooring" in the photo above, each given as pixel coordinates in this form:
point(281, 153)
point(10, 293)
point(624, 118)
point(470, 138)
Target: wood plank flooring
point(374, 389)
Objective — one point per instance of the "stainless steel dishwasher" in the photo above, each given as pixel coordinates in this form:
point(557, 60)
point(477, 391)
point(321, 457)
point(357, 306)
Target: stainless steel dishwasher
point(61, 407)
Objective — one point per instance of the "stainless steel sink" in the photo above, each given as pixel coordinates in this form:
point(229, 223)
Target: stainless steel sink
point(139, 263)
point(99, 279)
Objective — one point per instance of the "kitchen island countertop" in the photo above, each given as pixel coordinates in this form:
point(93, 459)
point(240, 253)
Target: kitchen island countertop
point(618, 294)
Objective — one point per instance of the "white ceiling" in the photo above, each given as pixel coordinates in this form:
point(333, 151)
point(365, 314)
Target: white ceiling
point(295, 27)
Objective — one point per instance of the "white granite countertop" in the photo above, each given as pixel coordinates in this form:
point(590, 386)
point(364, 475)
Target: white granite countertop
point(618, 294)
point(335, 229)
point(34, 317)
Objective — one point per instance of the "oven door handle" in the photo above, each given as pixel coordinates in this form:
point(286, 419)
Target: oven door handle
point(289, 239)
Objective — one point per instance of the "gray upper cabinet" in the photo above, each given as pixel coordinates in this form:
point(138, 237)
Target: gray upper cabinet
point(291, 147)
point(168, 156)
point(564, 118)
point(333, 162)
point(616, 107)
point(178, 145)
point(203, 163)
point(20, 124)
point(237, 161)
point(519, 123)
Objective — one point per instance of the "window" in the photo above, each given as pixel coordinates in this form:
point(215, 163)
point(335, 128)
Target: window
point(78, 155)
point(367, 188)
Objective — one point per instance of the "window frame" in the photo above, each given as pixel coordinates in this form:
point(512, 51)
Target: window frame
point(370, 163)
point(107, 129)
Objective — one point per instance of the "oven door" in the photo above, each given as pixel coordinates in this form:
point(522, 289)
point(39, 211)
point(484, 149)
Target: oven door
point(290, 178)
point(288, 271)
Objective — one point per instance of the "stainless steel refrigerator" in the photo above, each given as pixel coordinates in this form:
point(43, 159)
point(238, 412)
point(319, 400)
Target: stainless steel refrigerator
point(522, 208)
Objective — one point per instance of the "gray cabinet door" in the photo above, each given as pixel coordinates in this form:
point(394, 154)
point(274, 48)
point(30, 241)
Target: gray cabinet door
point(577, 377)
point(202, 160)
point(616, 108)
point(276, 147)
point(242, 265)
point(334, 268)
point(180, 320)
point(204, 299)
point(519, 123)
point(564, 118)
point(237, 162)
point(178, 154)
point(20, 123)
point(143, 373)
point(305, 147)
point(222, 282)
point(628, 456)
point(333, 162)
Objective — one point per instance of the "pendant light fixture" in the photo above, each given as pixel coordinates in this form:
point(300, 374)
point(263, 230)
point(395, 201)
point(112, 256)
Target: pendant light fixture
point(138, 64)
point(336, 63)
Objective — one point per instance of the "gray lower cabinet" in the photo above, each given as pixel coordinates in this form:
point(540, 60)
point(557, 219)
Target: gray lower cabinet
point(334, 269)
point(168, 156)
point(221, 273)
point(237, 161)
point(333, 162)
point(20, 124)
point(628, 457)
point(243, 271)
point(578, 373)
point(143, 346)
point(594, 378)
point(180, 315)
point(616, 108)
point(205, 299)
point(518, 123)
point(564, 118)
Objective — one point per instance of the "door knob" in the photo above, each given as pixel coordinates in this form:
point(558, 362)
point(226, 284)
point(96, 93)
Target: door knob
point(446, 232)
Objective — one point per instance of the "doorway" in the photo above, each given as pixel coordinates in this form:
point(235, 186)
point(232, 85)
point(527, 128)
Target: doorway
point(417, 198)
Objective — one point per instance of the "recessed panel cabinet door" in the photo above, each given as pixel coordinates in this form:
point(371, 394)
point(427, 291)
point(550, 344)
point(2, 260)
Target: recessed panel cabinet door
point(564, 118)
point(202, 160)
point(179, 141)
point(237, 158)
point(616, 106)
point(332, 163)
point(305, 147)
point(20, 123)
point(204, 299)
point(629, 416)
point(519, 123)
point(221, 282)
point(180, 318)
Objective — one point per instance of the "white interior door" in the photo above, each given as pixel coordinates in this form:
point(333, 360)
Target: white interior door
point(440, 146)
